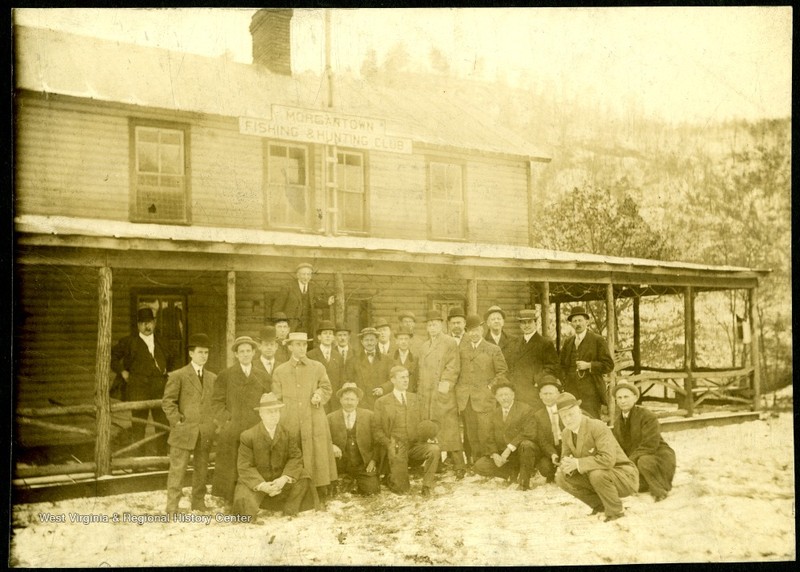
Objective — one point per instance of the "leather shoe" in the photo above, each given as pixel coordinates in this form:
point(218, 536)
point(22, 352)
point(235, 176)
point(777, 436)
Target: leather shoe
point(199, 506)
point(611, 517)
point(426, 491)
point(460, 474)
point(658, 497)
point(596, 510)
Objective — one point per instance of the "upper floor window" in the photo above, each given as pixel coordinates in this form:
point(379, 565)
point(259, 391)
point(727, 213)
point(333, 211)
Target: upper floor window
point(447, 207)
point(351, 192)
point(160, 189)
point(288, 201)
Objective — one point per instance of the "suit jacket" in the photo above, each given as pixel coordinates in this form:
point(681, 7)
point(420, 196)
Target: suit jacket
point(187, 405)
point(480, 368)
point(544, 432)
point(411, 364)
point(507, 343)
point(368, 449)
point(594, 349)
point(645, 434)
point(387, 409)
point(335, 368)
point(368, 376)
point(259, 365)
point(519, 426)
point(290, 302)
point(530, 361)
point(262, 458)
point(595, 447)
point(392, 348)
point(131, 354)
point(235, 396)
point(440, 360)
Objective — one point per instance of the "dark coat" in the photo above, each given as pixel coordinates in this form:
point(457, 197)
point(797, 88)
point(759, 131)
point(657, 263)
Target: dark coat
point(264, 459)
point(519, 426)
point(507, 343)
point(187, 405)
point(644, 435)
point(387, 408)
point(544, 432)
point(290, 302)
point(411, 364)
point(364, 421)
point(480, 368)
point(259, 365)
point(335, 368)
point(593, 348)
point(147, 376)
point(529, 362)
point(367, 376)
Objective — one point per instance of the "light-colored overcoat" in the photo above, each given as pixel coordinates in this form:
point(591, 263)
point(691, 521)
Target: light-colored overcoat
point(439, 361)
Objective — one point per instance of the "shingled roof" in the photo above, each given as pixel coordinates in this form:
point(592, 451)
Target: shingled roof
point(56, 62)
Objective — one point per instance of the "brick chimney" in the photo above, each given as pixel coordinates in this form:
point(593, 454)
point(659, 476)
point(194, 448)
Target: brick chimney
point(272, 44)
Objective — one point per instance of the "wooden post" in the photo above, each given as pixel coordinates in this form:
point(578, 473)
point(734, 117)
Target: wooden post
point(612, 345)
point(558, 326)
point(102, 399)
point(472, 296)
point(545, 300)
point(755, 350)
point(637, 333)
point(230, 321)
point(339, 304)
point(688, 347)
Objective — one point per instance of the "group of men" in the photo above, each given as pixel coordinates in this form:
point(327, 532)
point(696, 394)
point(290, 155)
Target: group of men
point(292, 426)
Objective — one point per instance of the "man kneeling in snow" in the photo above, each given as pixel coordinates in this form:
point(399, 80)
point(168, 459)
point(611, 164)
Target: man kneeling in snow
point(593, 467)
point(270, 465)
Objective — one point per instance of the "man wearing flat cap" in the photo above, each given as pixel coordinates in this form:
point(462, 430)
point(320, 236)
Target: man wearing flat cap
point(141, 362)
point(406, 436)
point(357, 457)
point(533, 357)
point(495, 319)
point(639, 434)
point(369, 370)
point(270, 465)
point(594, 468)
point(299, 299)
point(237, 392)
point(482, 366)
point(326, 354)
point(187, 405)
point(585, 359)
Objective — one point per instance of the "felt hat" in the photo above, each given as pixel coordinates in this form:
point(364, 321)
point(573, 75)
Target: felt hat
point(367, 331)
point(381, 323)
point(267, 334)
point(199, 340)
point(325, 325)
point(625, 385)
point(473, 321)
point(341, 328)
point(144, 315)
point(427, 429)
point(406, 314)
point(296, 337)
point(566, 401)
point(433, 315)
point(492, 310)
point(404, 331)
point(269, 401)
point(549, 380)
point(243, 340)
point(577, 311)
point(280, 317)
point(456, 313)
point(349, 386)
point(527, 315)
point(303, 265)
point(397, 369)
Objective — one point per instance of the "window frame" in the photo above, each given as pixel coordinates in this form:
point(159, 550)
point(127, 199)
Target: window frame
point(448, 161)
point(308, 224)
point(365, 201)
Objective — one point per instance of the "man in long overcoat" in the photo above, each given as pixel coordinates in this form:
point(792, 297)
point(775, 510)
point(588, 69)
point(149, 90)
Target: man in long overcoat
point(533, 357)
point(439, 367)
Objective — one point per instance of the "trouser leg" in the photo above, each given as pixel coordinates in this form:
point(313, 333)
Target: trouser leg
point(472, 446)
point(178, 461)
point(367, 483)
point(580, 487)
point(526, 454)
point(612, 484)
point(160, 444)
point(246, 501)
point(398, 468)
point(294, 496)
point(655, 474)
point(546, 468)
point(430, 454)
point(200, 473)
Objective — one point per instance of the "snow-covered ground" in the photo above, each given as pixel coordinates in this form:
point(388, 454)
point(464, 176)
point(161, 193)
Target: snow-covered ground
point(733, 500)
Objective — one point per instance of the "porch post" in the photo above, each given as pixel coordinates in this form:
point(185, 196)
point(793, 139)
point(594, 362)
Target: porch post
point(637, 342)
point(688, 346)
point(339, 304)
point(230, 320)
point(472, 296)
point(611, 340)
point(102, 399)
point(558, 326)
point(546, 309)
point(755, 350)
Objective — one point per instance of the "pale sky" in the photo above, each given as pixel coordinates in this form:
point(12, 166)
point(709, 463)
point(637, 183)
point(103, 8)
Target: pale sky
point(682, 64)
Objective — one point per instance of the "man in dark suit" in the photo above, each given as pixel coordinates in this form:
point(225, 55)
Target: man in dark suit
point(266, 361)
point(187, 405)
point(495, 319)
point(141, 362)
point(270, 466)
point(299, 299)
point(405, 357)
point(594, 468)
point(639, 434)
point(548, 428)
point(406, 437)
point(237, 392)
point(533, 357)
point(585, 359)
point(356, 455)
point(386, 344)
point(369, 369)
point(281, 324)
point(327, 355)
point(510, 442)
point(482, 365)
point(456, 322)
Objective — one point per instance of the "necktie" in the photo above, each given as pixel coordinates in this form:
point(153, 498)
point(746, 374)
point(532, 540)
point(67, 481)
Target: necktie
point(505, 414)
point(200, 375)
point(403, 399)
point(327, 354)
point(344, 354)
point(370, 357)
point(269, 367)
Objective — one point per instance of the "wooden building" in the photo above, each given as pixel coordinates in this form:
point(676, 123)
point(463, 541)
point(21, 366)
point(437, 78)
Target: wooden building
point(195, 185)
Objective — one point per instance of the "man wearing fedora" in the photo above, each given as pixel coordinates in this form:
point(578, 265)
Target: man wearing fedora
point(386, 345)
point(356, 455)
point(237, 392)
point(141, 362)
point(548, 428)
point(270, 465)
point(456, 322)
point(266, 360)
point(482, 365)
point(593, 468)
point(533, 357)
point(303, 386)
point(187, 405)
point(405, 356)
point(439, 367)
point(639, 434)
point(369, 370)
point(327, 355)
point(585, 359)
point(281, 323)
point(495, 319)
point(406, 436)
point(299, 299)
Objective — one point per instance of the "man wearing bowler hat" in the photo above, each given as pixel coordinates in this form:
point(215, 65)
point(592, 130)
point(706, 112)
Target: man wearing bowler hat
point(369, 370)
point(594, 468)
point(141, 362)
point(386, 345)
point(456, 322)
point(585, 359)
point(357, 457)
point(534, 357)
point(237, 392)
point(266, 361)
point(187, 405)
point(270, 465)
point(281, 324)
point(326, 354)
point(405, 357)
point(495, 319)
point(408, 320)
point(298, 300)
